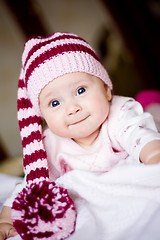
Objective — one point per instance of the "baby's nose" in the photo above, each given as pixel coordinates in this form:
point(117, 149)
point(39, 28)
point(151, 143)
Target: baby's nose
point(73, 109)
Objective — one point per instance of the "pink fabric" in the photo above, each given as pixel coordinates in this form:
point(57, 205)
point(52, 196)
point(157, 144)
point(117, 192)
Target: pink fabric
point(148, 97)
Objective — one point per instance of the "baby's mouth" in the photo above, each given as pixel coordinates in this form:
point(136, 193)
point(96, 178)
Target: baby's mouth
point(78, 121)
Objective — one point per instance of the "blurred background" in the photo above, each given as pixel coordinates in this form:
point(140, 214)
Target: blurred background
point(125, 34)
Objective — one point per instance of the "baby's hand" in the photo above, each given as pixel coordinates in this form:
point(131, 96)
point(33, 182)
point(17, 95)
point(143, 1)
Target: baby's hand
point(7, 230)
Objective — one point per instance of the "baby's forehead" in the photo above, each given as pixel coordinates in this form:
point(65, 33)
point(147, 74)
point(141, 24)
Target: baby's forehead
point(75, 77)
point(71, 79)
point(68, 81)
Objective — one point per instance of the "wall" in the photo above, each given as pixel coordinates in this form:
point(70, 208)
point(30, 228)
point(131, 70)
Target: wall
point(87, 18)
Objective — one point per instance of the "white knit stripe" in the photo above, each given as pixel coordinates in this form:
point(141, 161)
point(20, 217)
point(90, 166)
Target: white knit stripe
point(54, 44)
point(35, 165)
point(22, 93)
point(32, 147)
point(37, 180)
point(26, 113)
point(26, 131)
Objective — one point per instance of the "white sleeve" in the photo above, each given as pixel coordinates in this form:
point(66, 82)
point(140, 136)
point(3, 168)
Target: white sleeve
point(18, 188)
point(135, 128)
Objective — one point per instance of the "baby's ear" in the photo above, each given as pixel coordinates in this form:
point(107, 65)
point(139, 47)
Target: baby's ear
point(108, 92)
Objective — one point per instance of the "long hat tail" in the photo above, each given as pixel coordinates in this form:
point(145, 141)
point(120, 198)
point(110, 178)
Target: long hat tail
point(30, 124)
point(42, 210)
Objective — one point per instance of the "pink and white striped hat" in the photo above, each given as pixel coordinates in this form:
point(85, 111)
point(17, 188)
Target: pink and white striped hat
point(43, 60)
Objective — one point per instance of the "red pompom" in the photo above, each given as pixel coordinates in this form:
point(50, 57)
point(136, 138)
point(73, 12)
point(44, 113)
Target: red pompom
point(43, 211)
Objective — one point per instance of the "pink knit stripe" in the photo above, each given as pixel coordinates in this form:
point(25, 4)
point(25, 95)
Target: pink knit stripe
point(48, 41)
point(25, 122)
point(48, 54)
point(23, 103)
point(26, 131)
point(37, 173)
point(21, 83)
point(33, 157)
point(33, 136)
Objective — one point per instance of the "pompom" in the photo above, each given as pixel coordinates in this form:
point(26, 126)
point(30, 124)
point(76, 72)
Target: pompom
point(43, 211)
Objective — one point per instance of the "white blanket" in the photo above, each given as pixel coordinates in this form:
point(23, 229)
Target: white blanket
point(7, 185)
point(123, 204)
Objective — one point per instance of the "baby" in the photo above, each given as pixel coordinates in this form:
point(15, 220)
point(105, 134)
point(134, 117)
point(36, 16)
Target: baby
point(63, 81)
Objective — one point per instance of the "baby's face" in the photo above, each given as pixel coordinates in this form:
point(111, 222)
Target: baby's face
point(75, 105)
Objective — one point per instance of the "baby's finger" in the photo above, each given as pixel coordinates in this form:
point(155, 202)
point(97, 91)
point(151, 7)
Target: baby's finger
point(12, 232)
point(2, 236)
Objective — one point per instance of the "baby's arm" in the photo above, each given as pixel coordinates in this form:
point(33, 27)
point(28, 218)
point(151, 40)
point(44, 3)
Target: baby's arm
point(6, 226)
point(137, 134)
point(150, 153)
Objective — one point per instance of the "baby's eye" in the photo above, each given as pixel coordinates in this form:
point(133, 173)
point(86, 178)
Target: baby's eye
point(54, 103)
point(81, 90)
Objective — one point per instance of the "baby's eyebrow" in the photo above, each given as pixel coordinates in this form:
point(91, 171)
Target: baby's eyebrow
point(81, 82)
point(50, 94)
point(49, 97)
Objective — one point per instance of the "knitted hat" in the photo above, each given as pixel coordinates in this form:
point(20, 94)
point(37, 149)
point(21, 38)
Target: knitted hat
point(45, 59)
point(43, 209)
